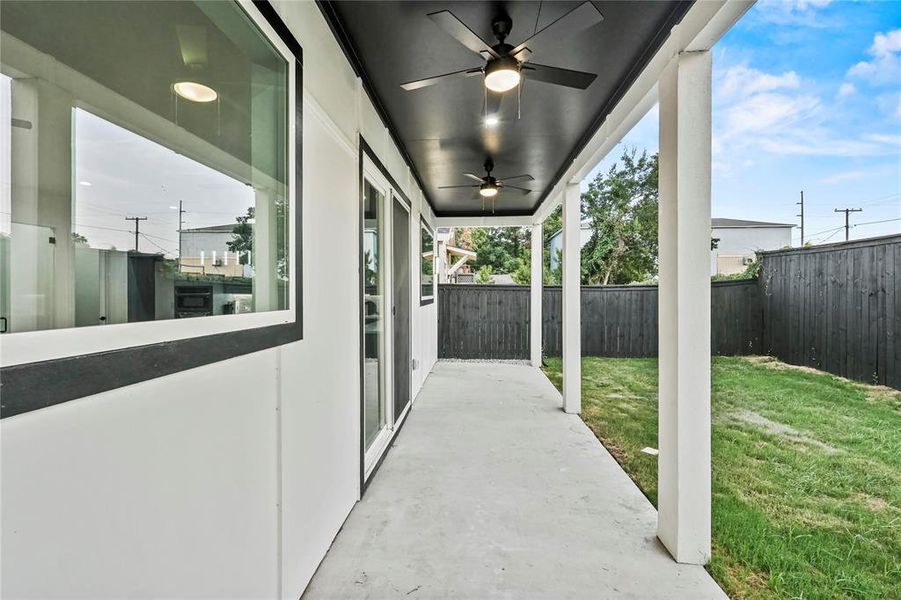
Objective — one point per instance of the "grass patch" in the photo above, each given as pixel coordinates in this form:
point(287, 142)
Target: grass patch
point(806, 472)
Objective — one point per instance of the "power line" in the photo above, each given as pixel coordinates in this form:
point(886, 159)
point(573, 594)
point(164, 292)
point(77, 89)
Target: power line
point(875, 222)
point(155, 244)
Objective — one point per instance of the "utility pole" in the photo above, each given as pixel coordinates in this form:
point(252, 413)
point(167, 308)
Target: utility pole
point(181, 223)
point(802, 216)
point(137, 221)
point(847, 212)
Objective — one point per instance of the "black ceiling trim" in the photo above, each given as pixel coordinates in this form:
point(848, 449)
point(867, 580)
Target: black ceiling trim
point(327, 8)
point(674, 17)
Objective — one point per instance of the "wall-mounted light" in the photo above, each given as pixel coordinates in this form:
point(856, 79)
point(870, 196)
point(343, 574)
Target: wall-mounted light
point(502, 74)
point(195, 92)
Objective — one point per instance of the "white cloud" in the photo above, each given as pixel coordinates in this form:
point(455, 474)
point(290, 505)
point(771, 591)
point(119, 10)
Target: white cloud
point(776, 114)
point(793, 12)
point(846, 90)
point(885, 65)
point(743, 80)
point(845, 176)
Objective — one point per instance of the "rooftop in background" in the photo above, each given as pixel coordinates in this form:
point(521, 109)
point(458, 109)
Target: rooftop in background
point(718, 223)
point(227, 228)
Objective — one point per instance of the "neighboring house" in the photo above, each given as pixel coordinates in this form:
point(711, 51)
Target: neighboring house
point(736, 242)
point(452, 260)
point(556, 243)
point(205, 250)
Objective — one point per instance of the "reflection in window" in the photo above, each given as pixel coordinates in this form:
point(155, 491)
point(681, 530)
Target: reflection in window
point(143, 162)
point(427, 265)
point(374, 417)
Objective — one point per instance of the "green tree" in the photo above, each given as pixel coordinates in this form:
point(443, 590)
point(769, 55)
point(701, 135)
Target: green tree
point(484, 274)
point(621, 206)
point(242, 242)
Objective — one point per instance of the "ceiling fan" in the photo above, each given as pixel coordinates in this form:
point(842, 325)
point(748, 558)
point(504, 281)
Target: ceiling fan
point(488, 186)
point(506, 66)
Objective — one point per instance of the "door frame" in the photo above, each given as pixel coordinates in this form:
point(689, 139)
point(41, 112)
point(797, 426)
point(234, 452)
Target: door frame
point(372, 169)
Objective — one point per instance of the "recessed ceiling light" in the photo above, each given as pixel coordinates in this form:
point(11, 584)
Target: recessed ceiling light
point(85, 183)
point(491, 120)
point(195, 92)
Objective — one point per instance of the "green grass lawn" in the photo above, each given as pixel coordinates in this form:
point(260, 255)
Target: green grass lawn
point(806, 472)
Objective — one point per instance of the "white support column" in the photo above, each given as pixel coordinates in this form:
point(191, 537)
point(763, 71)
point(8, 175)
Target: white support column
point(683, 522)
point(537, 285)
point(572, 298)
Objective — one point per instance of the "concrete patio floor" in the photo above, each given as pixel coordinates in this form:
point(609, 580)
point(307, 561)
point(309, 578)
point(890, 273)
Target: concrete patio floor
point(492, 491)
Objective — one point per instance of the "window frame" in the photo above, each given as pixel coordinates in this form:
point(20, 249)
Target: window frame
point(424, 226)
point(49, 367)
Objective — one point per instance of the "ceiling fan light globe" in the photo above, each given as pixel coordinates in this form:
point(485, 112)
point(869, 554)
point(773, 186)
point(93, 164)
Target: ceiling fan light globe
point(488, 191)
point(502, 80)
point(502, 74)
point(195, 92)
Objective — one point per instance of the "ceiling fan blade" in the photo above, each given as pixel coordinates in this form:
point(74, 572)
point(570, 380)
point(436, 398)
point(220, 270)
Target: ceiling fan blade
point(506, 179)
point(421, 83)
point(578, 19)
point(475, 177)
point(513, 187)
point(523, 55)
point(452, 187)
point(566, 77)
point(458, 30)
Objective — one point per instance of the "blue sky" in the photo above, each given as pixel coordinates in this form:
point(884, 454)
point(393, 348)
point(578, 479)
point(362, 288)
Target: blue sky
point(806, 96)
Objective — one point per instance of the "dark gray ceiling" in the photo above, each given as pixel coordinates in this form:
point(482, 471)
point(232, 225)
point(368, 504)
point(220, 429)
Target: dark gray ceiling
point(440, 127)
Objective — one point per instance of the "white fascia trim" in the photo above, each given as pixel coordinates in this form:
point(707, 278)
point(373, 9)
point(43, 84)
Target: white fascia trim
point(704, 24)
point(521, 221)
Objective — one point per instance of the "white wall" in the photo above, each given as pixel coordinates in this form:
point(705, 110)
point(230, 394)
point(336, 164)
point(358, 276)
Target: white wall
point(745, 241)
point(229, 480)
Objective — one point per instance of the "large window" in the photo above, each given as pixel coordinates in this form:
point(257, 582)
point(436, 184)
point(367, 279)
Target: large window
point(144, 154)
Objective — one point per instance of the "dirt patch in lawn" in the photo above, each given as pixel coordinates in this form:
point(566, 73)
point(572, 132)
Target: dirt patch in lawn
point(782, 430)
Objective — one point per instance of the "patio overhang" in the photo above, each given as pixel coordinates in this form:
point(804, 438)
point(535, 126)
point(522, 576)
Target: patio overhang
point(643, 53)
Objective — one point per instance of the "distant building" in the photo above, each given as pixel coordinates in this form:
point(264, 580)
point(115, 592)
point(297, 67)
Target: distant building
point(736, 242)
point(556, 243)
point(205, 250)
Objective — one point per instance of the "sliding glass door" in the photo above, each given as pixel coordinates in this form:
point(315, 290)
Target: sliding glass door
point(385, 270)
point(374, 322)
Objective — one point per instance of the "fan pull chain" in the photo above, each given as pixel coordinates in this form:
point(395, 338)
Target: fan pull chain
point(519, 97)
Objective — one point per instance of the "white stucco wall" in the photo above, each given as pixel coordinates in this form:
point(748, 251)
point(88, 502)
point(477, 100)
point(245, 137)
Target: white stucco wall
point(745, 241)
point(232, 479)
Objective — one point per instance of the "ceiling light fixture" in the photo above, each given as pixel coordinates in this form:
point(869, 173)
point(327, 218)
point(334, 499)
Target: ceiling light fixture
point(85, 183)
point(502, 74)
point(491, 120)
point(488, 190)
point(195, 92)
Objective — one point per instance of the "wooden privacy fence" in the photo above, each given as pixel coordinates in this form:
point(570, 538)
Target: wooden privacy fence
point(835, 308)
point(492, 321)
